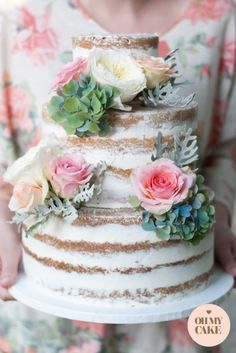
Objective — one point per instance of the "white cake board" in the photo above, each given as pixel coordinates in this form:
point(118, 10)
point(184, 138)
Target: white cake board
point(63, 306)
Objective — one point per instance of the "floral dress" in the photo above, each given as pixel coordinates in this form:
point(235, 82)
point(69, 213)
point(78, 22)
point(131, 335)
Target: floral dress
point(35, 41)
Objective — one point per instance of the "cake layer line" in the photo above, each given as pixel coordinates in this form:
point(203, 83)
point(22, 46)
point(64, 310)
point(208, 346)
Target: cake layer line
point(164, 291)
point(119, 145)
point(68, 267)
point(101, 216)
point(106, 283)
point(108, 42)
point(141, 295)
point(120, 172)
point(105, 247)
point(110, 261)
point(152, 118)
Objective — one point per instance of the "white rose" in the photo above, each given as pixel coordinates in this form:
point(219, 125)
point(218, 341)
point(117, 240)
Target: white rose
point(8, 5)
point(34, 161)
point(117, 69)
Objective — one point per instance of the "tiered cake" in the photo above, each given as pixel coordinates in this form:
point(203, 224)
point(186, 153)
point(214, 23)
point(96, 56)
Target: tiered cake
point(105, 253)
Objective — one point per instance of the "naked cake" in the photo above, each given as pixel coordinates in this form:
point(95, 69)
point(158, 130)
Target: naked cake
point(116, 209)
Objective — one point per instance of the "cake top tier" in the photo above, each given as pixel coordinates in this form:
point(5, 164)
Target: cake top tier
point(116, 41)
point(143, 43)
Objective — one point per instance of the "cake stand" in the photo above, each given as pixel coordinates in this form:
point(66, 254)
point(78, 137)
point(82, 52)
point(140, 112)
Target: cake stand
point(91, 310)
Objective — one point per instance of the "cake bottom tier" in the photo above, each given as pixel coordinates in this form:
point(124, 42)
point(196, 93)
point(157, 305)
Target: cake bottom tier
point(105, 263)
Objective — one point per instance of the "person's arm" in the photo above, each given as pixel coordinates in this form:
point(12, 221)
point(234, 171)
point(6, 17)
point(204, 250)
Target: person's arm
point(10, 249)
point(220, 165)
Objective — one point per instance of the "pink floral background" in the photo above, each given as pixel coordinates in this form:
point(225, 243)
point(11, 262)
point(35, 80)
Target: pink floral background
point(39, 36)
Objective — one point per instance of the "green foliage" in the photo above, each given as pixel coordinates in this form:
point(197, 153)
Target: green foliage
point(166, 94)
point(189, 220)
point(62, 207)
point(134, 201)
point(81, 106)
point(184, 152)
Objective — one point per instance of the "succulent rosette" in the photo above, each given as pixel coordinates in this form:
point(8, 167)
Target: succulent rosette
point(87, 88)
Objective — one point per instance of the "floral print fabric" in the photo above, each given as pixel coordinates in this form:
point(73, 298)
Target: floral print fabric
point(35, 42)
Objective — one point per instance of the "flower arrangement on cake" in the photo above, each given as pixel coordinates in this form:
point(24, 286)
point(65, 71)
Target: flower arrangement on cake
point(175, 202)
point(88, 88)
point(51, 178)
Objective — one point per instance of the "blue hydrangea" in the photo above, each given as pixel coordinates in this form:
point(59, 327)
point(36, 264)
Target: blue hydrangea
point(189, 220)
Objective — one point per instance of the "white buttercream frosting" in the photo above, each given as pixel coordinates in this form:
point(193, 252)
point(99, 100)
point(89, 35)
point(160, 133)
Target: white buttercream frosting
point(163, 266)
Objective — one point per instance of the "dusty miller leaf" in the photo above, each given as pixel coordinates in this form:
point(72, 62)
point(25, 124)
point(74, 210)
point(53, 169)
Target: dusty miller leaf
point(166, 95)
point(85, 194)
point(99, 175)
point(186, 149)
point(134, 201)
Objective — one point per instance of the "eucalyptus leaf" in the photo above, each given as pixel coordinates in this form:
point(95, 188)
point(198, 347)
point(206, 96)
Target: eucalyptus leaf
point(134, 201)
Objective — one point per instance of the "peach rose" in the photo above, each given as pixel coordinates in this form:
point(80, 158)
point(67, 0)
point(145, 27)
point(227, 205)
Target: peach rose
point(69, 72)
point(67, 173)
point(27, 195)
point(161, 185)
point(156, 70)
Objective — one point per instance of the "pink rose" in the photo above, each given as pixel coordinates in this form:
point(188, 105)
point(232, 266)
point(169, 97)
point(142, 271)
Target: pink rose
point(26, 196)
point(161, 185)
point(70, 72)
point(67, 173)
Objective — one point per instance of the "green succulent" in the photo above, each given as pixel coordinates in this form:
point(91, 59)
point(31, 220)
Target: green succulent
point(81, 106)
